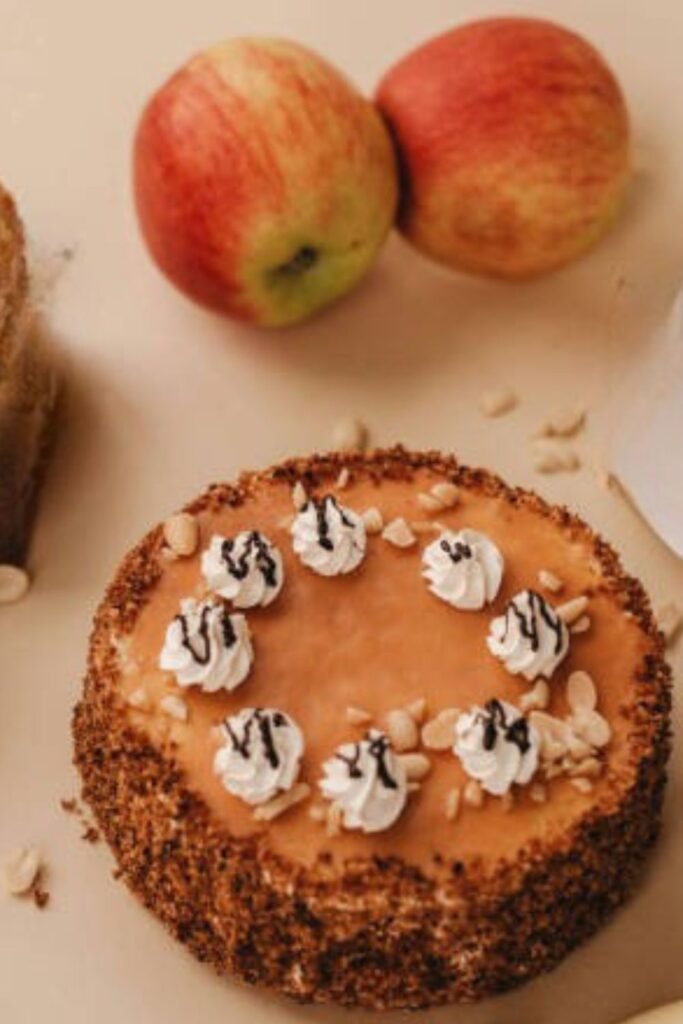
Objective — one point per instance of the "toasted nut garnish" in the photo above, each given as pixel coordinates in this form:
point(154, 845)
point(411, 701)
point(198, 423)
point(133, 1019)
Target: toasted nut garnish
point(572, 610)
point(417, 709)
point(670, 619)
point(581, 692)
point(549, 581)
point(398, 533)
point(402, 730)
point(317, 812)
point(438, 733)
point(581, 625)
point(447, 493)
point(563, 423)
point(537, 698)
point(417, 766)
point(181, 533)
point(452, 803)
point(577, 748)
point(507, 801)
point(583, 785)
point(358, 716)
point(174, 707)
point(591, 727)
point(299, 496)
point(281, 803)
point(335, 814)
point(350, 435)
point(422, 526)
point(590, 767)
point(14, 583)
point(139, 699)
point(473, 794)
point(551, 771)
point(20, 871)
point(497, 402)
point(552, 457)
point(429, 502)
point(168, 555)
point(343, 478)
point(372, 517)
point(413, 787)
point(538, 793)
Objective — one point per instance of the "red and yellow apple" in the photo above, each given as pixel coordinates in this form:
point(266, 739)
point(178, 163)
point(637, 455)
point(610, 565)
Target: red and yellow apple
point(513, 141)
point(264, 182)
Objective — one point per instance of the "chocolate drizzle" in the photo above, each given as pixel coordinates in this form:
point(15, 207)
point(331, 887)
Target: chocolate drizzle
point(529, 622)
point(494, 721)
point(377, 747)
point(263, 560)
point(457, 551)
point(265, 721)
point(202, 655)
point(321, 511)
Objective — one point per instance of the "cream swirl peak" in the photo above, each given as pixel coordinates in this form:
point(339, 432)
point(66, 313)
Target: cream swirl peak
point(529, 637)
point(464, 569)
point(329, 538)
point(246, 569)
point(260, 755)
point(497, 746)
point(367, 781)
point(206, 646)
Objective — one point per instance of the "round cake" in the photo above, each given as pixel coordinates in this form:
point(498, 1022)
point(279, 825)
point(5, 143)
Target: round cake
point(376, 729)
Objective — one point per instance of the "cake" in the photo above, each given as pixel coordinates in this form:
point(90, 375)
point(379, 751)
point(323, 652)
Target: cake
point(27, 391)
point(376, 730)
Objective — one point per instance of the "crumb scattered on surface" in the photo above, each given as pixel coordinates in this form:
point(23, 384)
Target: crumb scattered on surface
point(497, 401)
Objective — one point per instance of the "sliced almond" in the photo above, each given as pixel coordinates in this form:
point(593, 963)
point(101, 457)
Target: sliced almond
point(174, 707)
point(14, 583)
point(20, 871)
point(563, 423)
point(581, 625)
point(335, 816)
point(413, 787)
point(554, 457)
point(537, 698)
point(417, 709)
point(281, 803)
point(181, 533)
point(402, 730)
point(438, 733)
point(299, 496)
point(139, 699)
point(358, 716)
point(577, 748)
point(548, 726)
point(551, 771)
point(429, 502)
point(318, 813)
point(452, 805)
point(343, 478)
point(572, 610)
point(168, 555)
point(423, 526)
point(538, 793)
point(670, 619)
point(446, 492)
point(473, 794)
point(398, 533)
point(374, 523)
point(590, 767)
point(592, 727)
point(583, 785)
point(549, 581)
point(350, 435)
point(416, 766)
point(581, 692)
point(497, 401)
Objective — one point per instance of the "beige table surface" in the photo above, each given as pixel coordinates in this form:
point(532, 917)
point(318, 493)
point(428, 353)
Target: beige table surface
point(164, 398)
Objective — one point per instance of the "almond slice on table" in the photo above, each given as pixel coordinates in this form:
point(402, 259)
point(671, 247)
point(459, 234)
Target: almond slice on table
point(563, 423)
point(21, 869)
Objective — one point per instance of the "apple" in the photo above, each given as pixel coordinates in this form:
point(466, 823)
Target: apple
point(513, 141)
point(264, 182)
